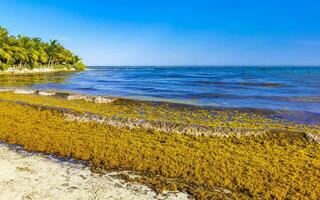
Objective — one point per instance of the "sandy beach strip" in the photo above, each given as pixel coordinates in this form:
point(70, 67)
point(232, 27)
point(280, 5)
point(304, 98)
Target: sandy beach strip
point(25, 175)
point(36, 70)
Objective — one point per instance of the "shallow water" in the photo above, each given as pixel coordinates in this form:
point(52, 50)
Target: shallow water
point(284, 88)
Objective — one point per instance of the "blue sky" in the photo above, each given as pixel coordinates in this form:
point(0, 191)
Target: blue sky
point(174, 32)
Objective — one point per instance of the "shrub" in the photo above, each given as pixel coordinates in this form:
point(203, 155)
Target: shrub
point(80, 66)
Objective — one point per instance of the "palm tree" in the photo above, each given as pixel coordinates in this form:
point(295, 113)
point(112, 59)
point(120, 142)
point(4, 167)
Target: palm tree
point(4, 55)
point(22, 51)
point(40, 48)
point(3, 34)
point(52, 51)
point(76, 59)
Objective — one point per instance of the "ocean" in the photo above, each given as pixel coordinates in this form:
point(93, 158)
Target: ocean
point(277, 88)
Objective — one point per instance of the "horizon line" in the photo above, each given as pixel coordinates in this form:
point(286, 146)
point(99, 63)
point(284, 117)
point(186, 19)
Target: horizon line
point(204, 65)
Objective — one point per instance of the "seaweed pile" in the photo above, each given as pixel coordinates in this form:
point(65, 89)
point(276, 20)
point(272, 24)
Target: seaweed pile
point(282, 162)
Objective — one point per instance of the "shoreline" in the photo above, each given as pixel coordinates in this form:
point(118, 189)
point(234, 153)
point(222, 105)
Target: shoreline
point(27, 173)
point(292, 102)
point(285, 119)
point(204, 166)
point(12, 71)
point(295, 116)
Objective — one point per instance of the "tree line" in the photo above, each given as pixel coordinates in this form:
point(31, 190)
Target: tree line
point(26, 52)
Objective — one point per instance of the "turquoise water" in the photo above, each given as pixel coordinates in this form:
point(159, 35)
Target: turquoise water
point(284, 88)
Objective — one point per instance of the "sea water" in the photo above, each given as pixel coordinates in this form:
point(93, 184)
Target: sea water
point(279, 88)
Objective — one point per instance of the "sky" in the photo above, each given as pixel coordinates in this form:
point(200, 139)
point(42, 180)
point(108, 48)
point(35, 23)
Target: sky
point(174, 32)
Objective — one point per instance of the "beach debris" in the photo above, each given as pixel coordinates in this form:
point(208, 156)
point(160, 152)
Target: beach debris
point(312, 137)
point(80, 97)
point(226, 191)
point(22, 91)
point(5, 90)
point(43, 93)
point(63, 95)
point(99, 99)
point(67, 96)
point(94, 99)
point(188, 129)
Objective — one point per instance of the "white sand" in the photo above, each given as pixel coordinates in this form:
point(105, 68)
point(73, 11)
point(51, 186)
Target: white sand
point(30, 71)
point(34, 176)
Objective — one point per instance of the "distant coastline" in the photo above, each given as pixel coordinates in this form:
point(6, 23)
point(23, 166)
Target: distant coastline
point(22, 54)
point(36, 70)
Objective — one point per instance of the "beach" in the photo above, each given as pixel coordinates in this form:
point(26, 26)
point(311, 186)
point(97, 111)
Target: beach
point(14, 71)
point(163, 100)
point(27, 175)
point(201, 152)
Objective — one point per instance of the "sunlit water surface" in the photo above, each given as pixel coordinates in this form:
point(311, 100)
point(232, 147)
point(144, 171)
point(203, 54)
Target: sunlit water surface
point(284, 88)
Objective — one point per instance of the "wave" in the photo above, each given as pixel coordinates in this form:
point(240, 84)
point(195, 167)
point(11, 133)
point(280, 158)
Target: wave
point(177, 76)
point(88, 88)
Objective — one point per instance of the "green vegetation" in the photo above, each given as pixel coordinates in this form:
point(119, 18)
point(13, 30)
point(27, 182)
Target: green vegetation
point(275, 165)
point(278, 164)
point(23, 52)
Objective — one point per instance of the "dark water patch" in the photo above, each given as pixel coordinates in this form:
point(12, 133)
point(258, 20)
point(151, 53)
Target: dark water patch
point(234, 97)
point(147, 89)
point(252, 84)
point(107, 81)
point(305, 99)
point(299, 117)
point(213, 96)
point(212, 83)
point(177, 76)
point(88, 88)
point(269, 85)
